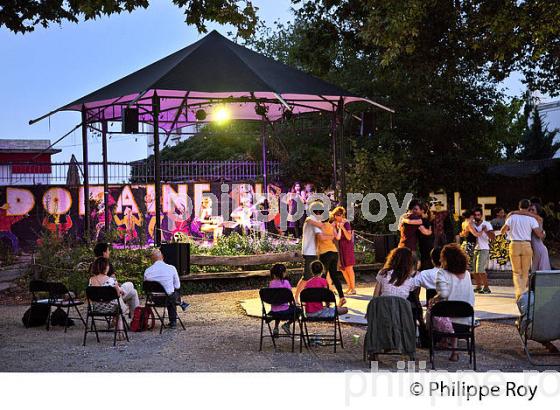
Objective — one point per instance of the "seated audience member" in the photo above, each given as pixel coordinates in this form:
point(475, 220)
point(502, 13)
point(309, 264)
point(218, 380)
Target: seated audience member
point(278, 280)
point(453, 282)
point(394, 279)
point(316, 309)
point(100, 277)
point(427, 278)
point(168, 277)
point(130, 295)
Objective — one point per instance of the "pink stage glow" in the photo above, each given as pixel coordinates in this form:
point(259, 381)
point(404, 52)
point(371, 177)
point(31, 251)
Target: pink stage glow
point(178, 108)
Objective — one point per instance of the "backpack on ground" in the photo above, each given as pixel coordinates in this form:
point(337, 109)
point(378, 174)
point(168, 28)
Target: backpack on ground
point(60, 318)
point(36, 315)
point(142, 319)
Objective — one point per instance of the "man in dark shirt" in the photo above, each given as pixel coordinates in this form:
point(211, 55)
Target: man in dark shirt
point(410, 224)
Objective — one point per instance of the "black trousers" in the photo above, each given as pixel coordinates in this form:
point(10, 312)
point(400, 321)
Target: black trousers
point(330, 261)
point(172, 306)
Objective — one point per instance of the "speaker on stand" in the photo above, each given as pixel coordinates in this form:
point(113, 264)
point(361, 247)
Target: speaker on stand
point(178, 255)
point(130, 120)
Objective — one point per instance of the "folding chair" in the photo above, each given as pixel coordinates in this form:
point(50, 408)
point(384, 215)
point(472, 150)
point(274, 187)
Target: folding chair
point(540, 322)
point(453, 309)
point(279, 296)
point(60, 297)
point(39, 290)
point(156, 297)
point(103, 305)
point(391, 329)
point(327, 298)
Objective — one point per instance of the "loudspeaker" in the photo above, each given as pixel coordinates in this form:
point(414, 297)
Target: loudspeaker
point(383, 244)
point(178, 255)
point(130, 121)
point(368, 124)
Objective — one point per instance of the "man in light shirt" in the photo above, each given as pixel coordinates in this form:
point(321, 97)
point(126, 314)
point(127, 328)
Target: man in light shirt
point(519, 228)
point(167, 276)
point(481, 251)
point(311, 227)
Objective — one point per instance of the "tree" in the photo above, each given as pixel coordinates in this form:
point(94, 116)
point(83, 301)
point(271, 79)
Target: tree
point(499, 36)
point(509, 122)
point(442, 130)
point(21, 16)
point(538, 142)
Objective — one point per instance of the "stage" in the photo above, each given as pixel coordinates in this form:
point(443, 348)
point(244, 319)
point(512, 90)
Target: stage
point(499, 304)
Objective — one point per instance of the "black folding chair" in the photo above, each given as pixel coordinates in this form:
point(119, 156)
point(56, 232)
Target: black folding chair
point(61, 297)
point(280, 296)
point(103, 305)
point(453, 309)
point(327, 298)
point(39, 290)
point(156, 297)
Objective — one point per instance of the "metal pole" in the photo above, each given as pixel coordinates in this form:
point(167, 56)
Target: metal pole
point(105, 174)
point(263, 139)
point(85, 160)
point(157, 171)
point(342, 151)
point(334, 149)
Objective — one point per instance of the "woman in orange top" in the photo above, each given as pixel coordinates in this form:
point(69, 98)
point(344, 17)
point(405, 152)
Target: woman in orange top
point(328, 254)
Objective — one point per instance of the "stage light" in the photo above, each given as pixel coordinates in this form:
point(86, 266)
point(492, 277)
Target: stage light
point(221, 114)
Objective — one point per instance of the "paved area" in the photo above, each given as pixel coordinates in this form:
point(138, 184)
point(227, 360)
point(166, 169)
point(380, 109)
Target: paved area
point(498, 305)
point(220, 337)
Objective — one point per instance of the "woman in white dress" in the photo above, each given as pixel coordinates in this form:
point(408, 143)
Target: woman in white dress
point(100, 277)
point(453, 282)
point(394, 279)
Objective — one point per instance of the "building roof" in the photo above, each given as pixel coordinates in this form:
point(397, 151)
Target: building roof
point(523, 169)
point(27, 146)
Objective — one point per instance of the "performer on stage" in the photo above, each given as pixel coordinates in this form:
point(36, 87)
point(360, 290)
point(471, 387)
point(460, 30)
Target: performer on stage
point(209, 223)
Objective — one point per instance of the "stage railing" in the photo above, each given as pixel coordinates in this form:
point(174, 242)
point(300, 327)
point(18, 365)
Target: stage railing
point(71, 173)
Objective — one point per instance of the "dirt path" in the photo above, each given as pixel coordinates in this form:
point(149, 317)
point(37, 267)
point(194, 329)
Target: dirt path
point(219, 338)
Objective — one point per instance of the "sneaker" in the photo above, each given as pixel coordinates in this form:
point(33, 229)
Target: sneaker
point(485, 291)
point(286, 328)
point(172, 325)
point(275, 332)
point(478, 290)
point(184, 306)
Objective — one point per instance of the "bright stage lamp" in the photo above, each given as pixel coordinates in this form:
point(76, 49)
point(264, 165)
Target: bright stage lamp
point(221, 115)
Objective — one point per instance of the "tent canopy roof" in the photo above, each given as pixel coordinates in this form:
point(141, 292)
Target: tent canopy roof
point(213, 72)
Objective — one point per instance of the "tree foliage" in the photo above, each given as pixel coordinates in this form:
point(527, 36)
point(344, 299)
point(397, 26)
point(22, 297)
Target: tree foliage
point(509, 122)
point(537, 141)
point(499, 36)
point(21, 16)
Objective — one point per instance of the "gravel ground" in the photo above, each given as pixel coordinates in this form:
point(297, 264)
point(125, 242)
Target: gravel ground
point(220, 338)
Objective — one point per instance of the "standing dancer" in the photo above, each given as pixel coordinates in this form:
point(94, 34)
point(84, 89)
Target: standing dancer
point(311, 226)
point(519, 228)
point(347, 258)
point(481, 252)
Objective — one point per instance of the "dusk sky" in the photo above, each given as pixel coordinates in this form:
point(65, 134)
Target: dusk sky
point(48, 68)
